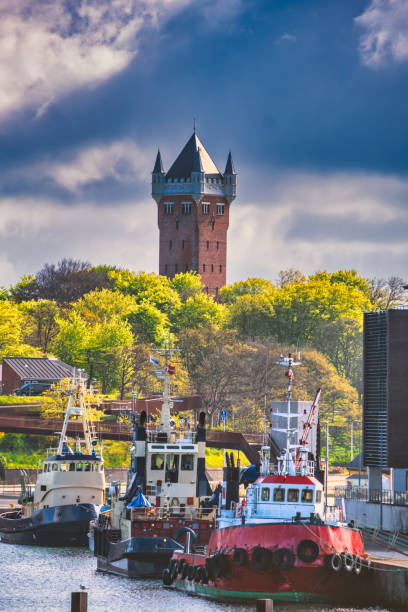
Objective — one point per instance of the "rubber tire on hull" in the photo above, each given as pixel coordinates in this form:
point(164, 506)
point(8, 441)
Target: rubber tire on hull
point(261, 558)
point(335, 561)
point(167, 580)
point(191, 572)
point(358, 565)
point(184, 572)
point(239, 556)
point(348, 561)
point(307, 551)
point(283, 558)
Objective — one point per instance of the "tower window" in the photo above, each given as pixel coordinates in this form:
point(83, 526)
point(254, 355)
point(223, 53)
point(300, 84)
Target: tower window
point(216, 291)
point(208, 244)
point(203, 267)
point(186, 268)
point(212, 267)
point(220, 209)
point(218, 245)
point(170, 245)
point(186, 208)
point(182, 244)
point(206, 208)
point(177, 225)
point(220, 267)
point(168, 208)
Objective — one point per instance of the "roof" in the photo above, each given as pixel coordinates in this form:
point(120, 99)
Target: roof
point(187, 161)
point(229, 168)
point(158, 165)
point(355, 463)
point(39, 368)
point(295, 480)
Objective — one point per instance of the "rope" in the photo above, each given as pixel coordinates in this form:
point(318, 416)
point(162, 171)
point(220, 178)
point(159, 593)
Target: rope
point(368, 565)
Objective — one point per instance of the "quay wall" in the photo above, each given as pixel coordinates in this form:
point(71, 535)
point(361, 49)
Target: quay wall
point(389, 585)
point(381, 516)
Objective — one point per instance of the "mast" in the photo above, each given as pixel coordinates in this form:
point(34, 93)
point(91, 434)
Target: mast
point(287, 465)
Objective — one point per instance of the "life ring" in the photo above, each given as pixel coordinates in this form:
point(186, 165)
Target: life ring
point(358, 565)
point(261, 558)
point(307, 551)
point(174, 502)
point(240, 556)
point(167, 580)
point(335, 562)
point(348, 561)
point(283, 558)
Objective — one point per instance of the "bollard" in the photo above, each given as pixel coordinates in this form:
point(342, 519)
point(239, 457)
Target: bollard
point(79, 601)
point(264, 605)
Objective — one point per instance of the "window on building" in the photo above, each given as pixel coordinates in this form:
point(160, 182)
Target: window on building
point(186, 268)
point(307, 496)
point(265, 494)
point(293, 495)
point(208, 244)
point(220, 267)
point(186, 208)
point(218, 245)
point(187, 462)
point(169, 208)
point(279, 495)
point(318, 497)
point(212, 267)
point(170, 244)
point(220, 209)
point(216, 291)
point(182, 244)
point(157, 462)
point(203, 267)
point(206, 208)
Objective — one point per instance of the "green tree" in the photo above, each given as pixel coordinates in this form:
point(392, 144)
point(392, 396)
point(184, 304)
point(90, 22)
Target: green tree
point(145, 287)
point(42, 320)
point(101, 304)
point(148, 323)
point(11, 332)
point(199, 311)
point(252, 316)
point(187, 285)
point(251, 286)
point(25, 290)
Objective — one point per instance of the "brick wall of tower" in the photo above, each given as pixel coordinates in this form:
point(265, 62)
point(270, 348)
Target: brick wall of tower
point(194, 241)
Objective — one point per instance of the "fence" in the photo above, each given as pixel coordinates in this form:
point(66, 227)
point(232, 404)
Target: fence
point(375, 496)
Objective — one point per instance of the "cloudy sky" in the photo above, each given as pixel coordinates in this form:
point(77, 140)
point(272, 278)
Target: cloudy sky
point(310, 96)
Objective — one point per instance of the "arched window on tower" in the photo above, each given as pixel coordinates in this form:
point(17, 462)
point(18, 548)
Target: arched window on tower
point(218, 245)
point(170, 245)
point(212, 267)
point(208, 244)
point(220, 267)
point(182, 244)
point(203, 267)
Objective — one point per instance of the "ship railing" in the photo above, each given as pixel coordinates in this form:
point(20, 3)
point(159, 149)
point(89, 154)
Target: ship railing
point(375, 496)
point(175, 435)
point(171, 512)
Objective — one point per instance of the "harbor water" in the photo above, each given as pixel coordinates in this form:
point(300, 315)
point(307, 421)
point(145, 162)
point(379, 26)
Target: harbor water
point(42, 579)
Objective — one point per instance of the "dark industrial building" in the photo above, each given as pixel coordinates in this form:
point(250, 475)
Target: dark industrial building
point(385, 413)
point(32, 371)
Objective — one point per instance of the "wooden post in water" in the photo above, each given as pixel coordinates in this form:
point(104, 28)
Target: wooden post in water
point(79, 601)
point(264, 605)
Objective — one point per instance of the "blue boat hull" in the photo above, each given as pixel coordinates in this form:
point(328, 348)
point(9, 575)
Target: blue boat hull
point(58, 526)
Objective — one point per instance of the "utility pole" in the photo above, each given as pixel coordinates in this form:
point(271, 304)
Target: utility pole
point(327, 460)
point(351, 442)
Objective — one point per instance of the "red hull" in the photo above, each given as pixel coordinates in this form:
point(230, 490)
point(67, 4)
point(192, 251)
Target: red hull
point(301, 581)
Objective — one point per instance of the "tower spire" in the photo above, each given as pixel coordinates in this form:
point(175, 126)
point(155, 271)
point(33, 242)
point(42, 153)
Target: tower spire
point(158, 165)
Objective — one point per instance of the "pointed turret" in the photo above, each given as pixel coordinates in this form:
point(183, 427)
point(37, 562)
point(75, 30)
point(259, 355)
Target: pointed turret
point(229, 167)
point(158, 166)
point(197, 163)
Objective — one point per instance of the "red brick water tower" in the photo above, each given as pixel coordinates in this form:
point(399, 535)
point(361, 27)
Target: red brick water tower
point(193, 200)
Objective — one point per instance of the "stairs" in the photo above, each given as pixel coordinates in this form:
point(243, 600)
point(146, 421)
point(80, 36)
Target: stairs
point(390, 539)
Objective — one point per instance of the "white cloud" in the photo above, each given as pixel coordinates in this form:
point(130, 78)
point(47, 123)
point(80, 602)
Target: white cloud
point(286, 38)
point(49, 49)
point(384, 25)
point(122, 160)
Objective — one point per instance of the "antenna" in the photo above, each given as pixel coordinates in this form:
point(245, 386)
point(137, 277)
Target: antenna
point(194, 125)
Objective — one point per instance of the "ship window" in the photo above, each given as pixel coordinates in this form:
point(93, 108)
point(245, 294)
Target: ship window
point(172, 468)
point(72, 467)
point(54, 467)
point(279, 495)
point(293, 495)
point(318, 497)
point(87, 467)
point(95, 467)
point(265, 496)
point(79, 467)
point(187, 462)
point(64, 467)
point(307, 496)
point(157, 462)
point(45, 467)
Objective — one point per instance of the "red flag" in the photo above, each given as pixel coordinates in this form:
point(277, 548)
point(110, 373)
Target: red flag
point(170, 369)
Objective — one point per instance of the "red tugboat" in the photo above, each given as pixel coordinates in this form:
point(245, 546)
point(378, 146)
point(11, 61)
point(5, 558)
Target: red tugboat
point(281, 541)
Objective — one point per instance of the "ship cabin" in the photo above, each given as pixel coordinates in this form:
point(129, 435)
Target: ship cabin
point(171, 474)
point(284, 497)
point(70, 478)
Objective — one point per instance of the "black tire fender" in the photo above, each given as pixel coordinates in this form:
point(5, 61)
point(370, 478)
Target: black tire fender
point(240, 556)
point(261, 558)
point(167, 580)
point(358, 565)
point(184, 572)
point(335, 562)
point(348, 561)
point(283, 558)
point(307, 551)
point(191, 572)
